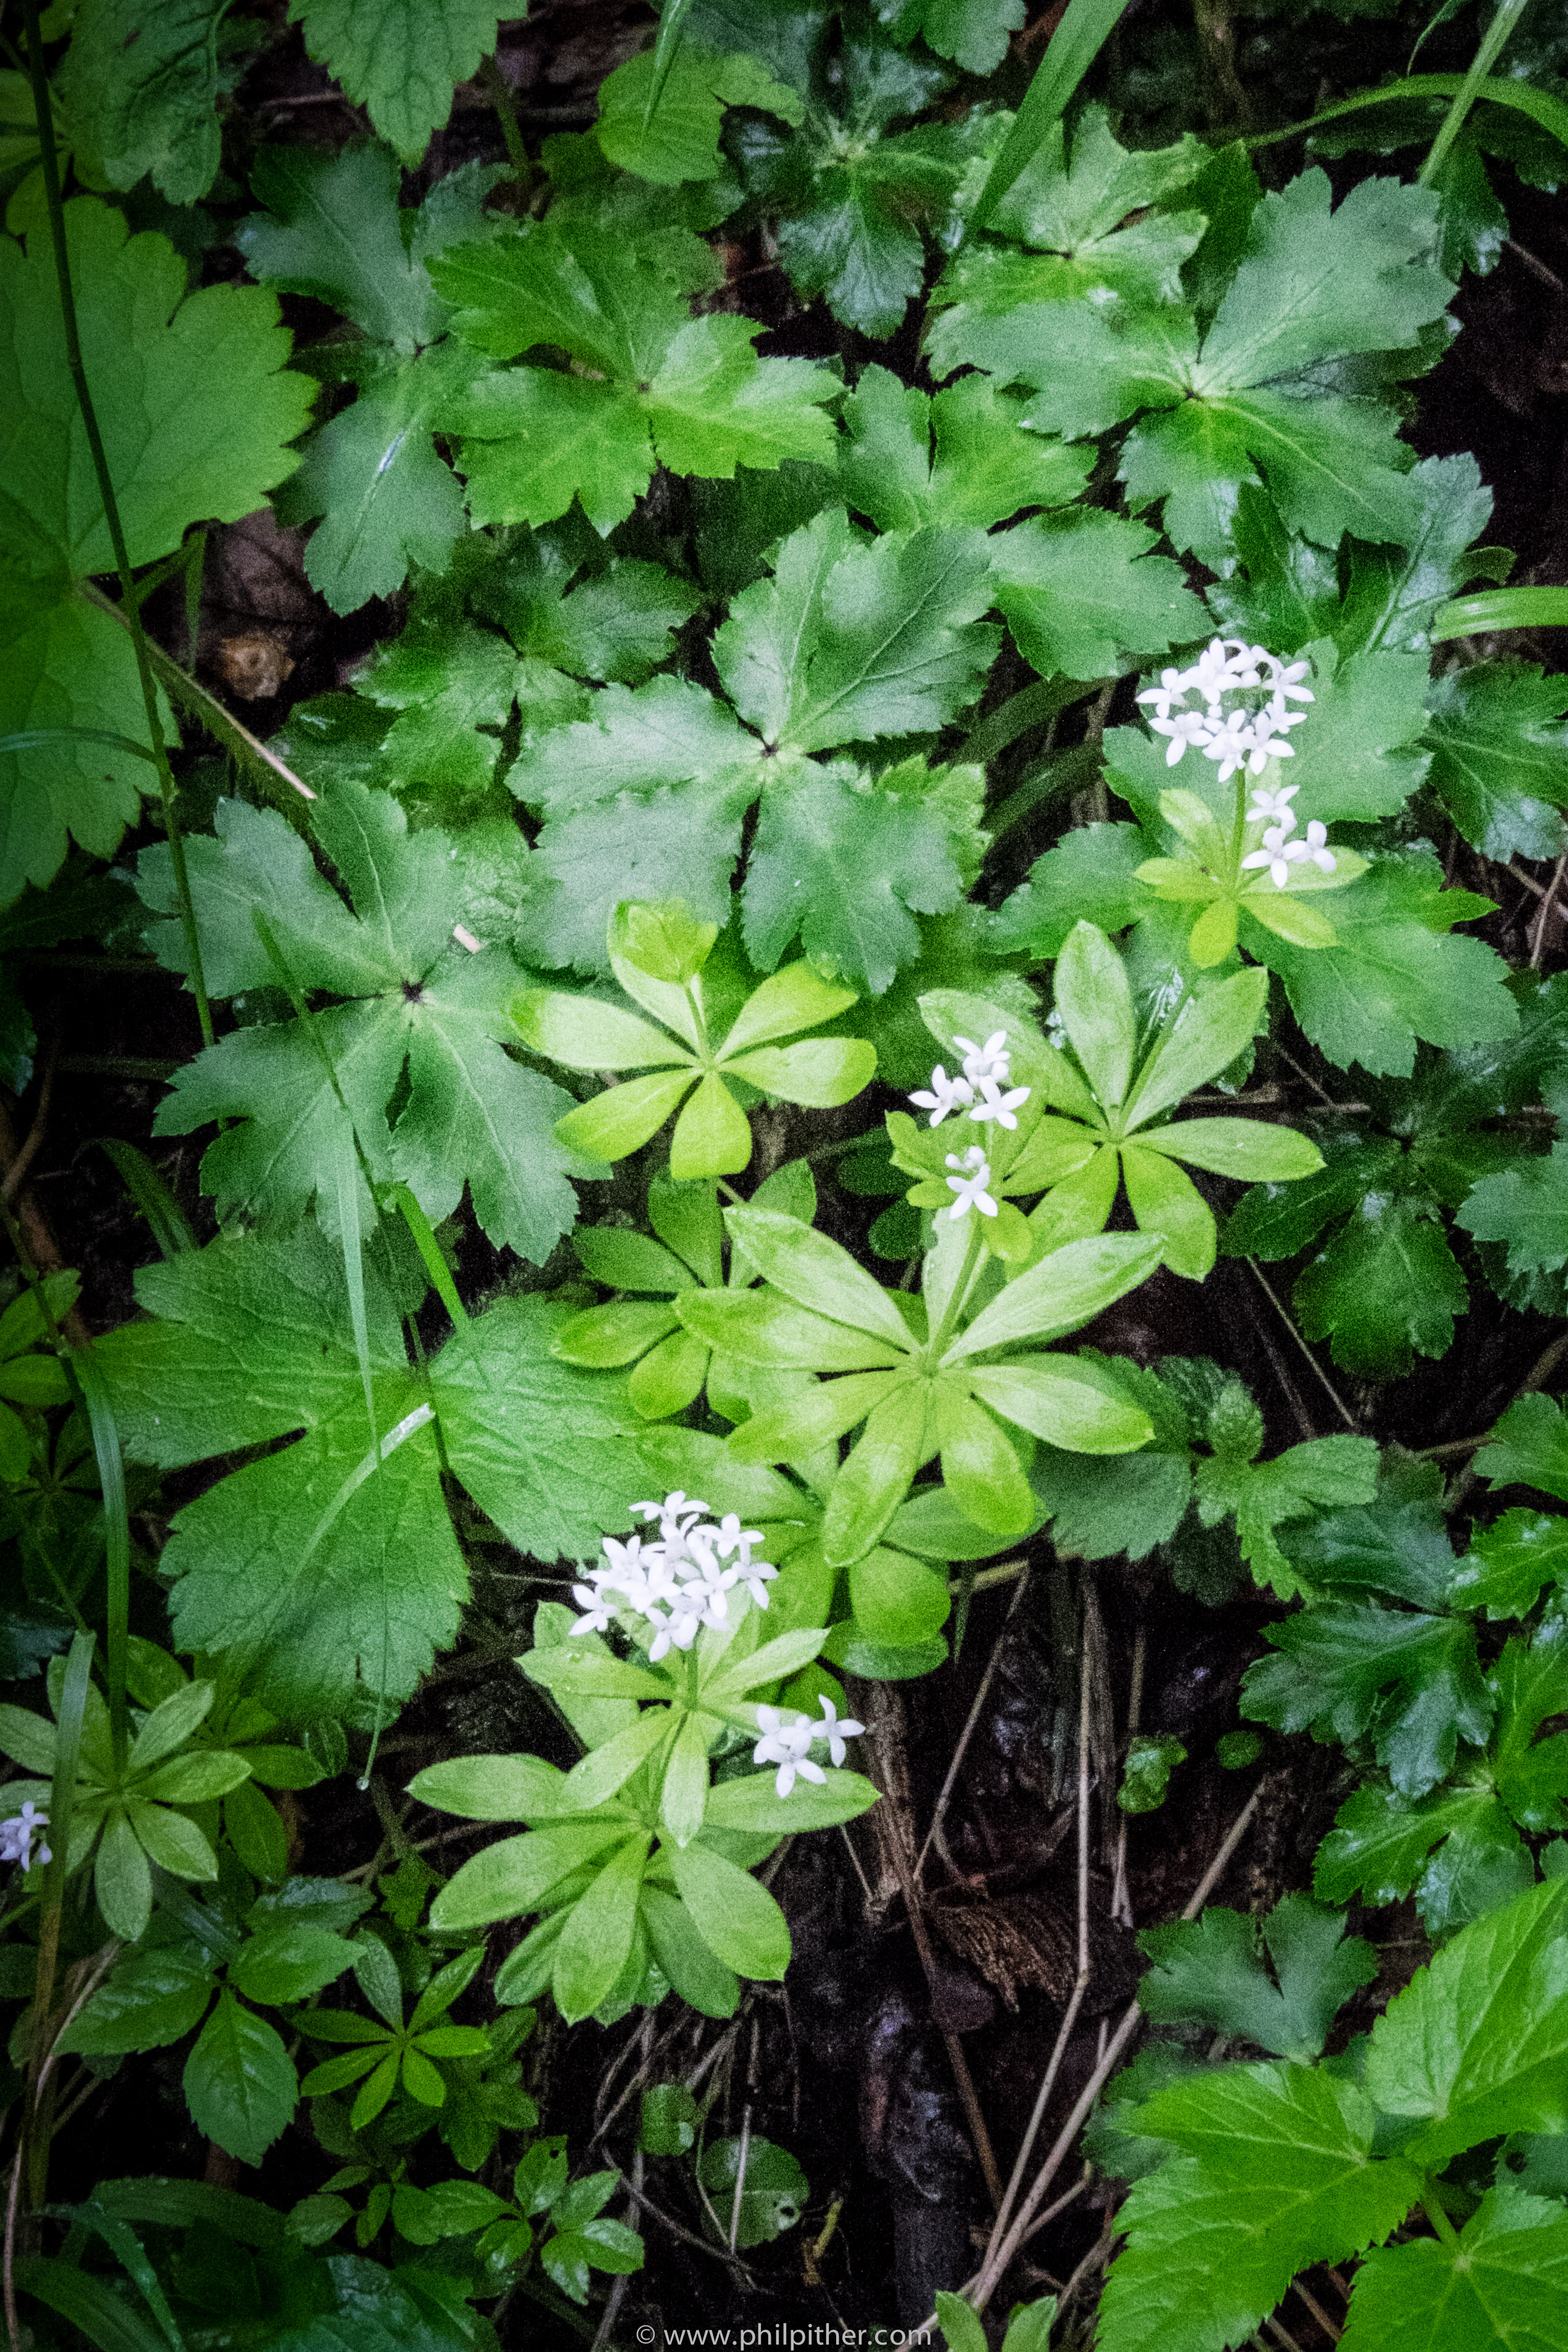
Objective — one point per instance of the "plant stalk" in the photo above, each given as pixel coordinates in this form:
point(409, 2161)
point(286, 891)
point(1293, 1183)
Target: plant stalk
point(49, 164)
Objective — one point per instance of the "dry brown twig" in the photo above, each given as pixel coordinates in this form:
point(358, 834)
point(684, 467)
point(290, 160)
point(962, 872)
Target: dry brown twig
point(983, 2286)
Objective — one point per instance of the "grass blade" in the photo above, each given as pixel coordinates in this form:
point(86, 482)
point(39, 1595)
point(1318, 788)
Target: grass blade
point(1506, 18)
point(90, 2304)
point(1500, 608)
point(171, 1227)
point(1070, 51)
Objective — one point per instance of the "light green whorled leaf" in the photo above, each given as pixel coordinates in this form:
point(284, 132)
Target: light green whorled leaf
point(815, 1416)
point(736, 1918)
point(1095, 999)
point(629, 1261)
point(697, 1974)
point(512, 1877)
point(896, 1602)
point(713, 1134)
point(1251, 1150)
point(1210, 1030)
point(980, 1468)
point(1475, 2045)
point(597, 1776)
point(121, 1879)
point(753, 1804)
point(596, 1941)
point(1066, 1289)
point(1166, 1202)
point(192, 1779)
point(764, 1326)
point(683, 1790)
point(1064, 1402)
point(493, 1787)
point(796, 998)
point(876, 1477)
point(392, 58)
point(1501, 2281)
point(784, 1655)
point(584, 1032)
point(1084, 598)
point(815, 1272)
point(575, 1669)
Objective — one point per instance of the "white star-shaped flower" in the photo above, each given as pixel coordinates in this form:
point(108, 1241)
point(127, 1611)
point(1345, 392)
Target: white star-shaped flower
point(1273, 800)
point(1273, 854)
point(972, 1184)
point(998, 1107)
point(1316, 846)
point(834, 1731)
point(945, 1094)
point(990, 1061)
point(787, 1744)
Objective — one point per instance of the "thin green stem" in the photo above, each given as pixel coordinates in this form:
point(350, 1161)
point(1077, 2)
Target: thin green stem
point(943, 1330)
point(500, 97)
point(1434, 2211)
point(1509, 13)
point(49, 163)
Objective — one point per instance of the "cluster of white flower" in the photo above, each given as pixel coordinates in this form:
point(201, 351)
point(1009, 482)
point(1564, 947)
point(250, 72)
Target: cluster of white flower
point(1251, 734)
point(17, 1835)
point(986, 1072)
point(788, 1742)
point(1279, 852)
point(972, 1183)
point(677, 1582)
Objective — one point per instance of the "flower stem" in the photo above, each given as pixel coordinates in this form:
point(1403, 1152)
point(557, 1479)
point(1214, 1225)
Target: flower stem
point(944, 1331)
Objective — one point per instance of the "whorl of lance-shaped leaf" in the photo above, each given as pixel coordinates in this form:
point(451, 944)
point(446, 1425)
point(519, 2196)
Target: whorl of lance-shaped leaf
point(946, 1393)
